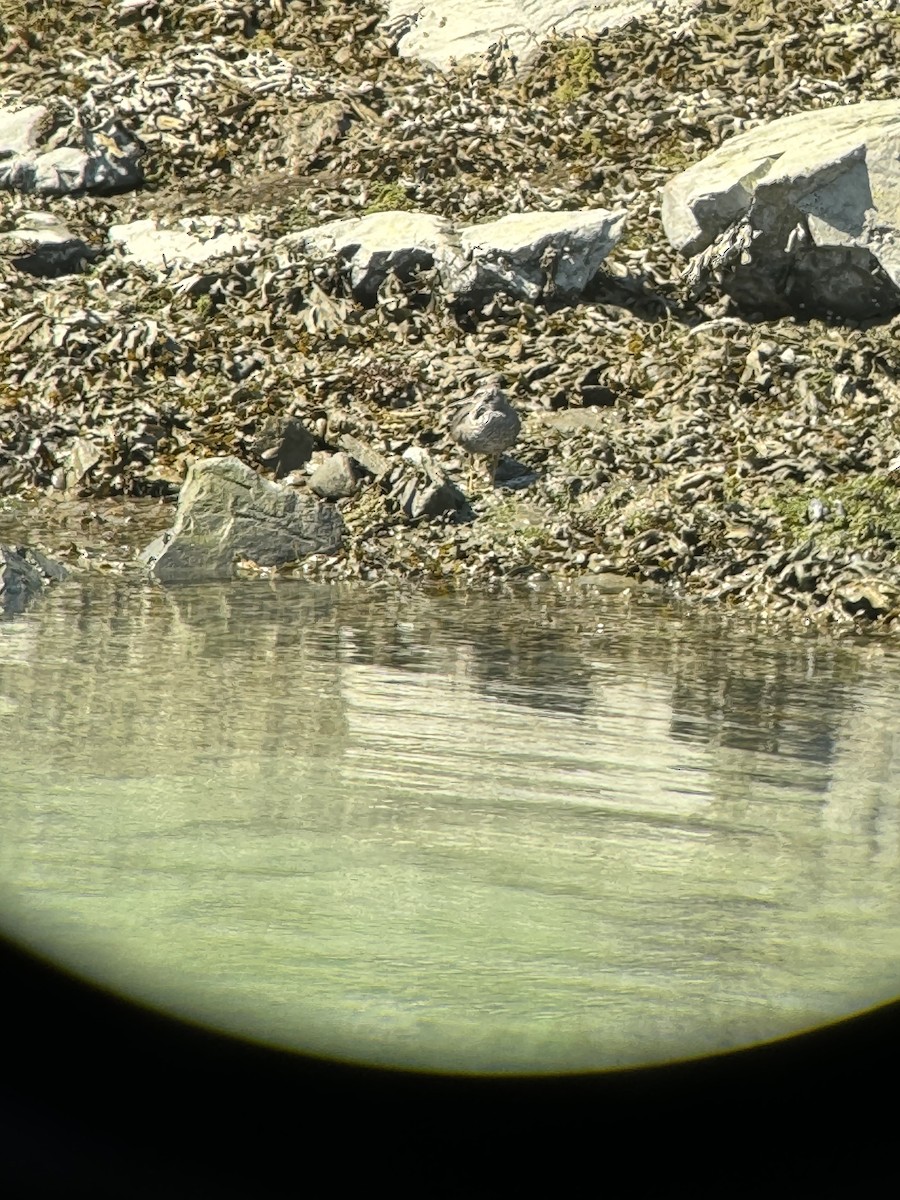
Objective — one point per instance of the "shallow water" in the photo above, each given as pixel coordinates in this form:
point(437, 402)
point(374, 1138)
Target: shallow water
point(477, 833)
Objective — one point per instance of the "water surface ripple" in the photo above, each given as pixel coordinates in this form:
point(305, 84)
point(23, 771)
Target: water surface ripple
point(488, 833)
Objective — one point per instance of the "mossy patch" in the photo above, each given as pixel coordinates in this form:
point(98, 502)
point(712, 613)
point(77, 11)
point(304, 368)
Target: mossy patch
point(860, 512)
point(389, 198)
point(575, 68)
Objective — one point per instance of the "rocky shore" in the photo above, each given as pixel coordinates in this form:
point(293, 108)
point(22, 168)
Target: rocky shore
point(167, 296)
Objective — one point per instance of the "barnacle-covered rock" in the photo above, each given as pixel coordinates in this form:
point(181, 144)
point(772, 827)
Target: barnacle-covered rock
point(372, 246)
point(106, 160)
point(534, 254)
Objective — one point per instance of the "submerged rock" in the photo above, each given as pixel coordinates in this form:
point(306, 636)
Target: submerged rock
point(801, 214)
point(227, 514)
point(23, 574)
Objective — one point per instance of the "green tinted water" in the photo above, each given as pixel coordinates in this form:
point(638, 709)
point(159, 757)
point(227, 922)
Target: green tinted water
point(485, 833)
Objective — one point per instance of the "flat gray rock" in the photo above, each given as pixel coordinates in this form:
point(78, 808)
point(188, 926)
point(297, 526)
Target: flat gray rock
point(227, 514)
point(802, 213)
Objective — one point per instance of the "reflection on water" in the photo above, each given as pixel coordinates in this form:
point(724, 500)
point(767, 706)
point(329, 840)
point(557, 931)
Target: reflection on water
point(488, 833)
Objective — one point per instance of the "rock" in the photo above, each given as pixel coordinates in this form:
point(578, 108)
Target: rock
point(21, 132)
point(227, 513)
point(366, 456)
point(334, 478)
point(435, 495)
point(199, 240)
point(444, 30)
point(395, 241)
point(535, 254)
point(284, 444)
point(525, 255)
point(801, 214)
point(82, 458)
point(23, 573)
point(107, 161)
point(42, 245)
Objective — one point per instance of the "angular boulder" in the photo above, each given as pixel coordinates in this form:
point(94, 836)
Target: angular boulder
point(227, 513)
point(525, 255)
point(535, 254)
point(396, 241)
point(799, 215)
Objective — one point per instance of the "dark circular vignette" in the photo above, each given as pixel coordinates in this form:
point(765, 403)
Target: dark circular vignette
point(101, 1097)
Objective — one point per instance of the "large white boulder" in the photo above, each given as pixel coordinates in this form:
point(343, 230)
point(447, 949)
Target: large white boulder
point(801, 214)
point(374, 245)
point(440, 31)
point(535, 254)
point(525, 255)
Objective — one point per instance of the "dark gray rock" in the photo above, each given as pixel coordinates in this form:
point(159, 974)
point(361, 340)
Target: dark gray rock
point(284, 444)
point(227, 513)
point(23, 574)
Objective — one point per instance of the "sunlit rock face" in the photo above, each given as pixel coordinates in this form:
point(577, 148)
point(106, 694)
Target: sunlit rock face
point(446, 30)
point(526, 255)
point(799, 215)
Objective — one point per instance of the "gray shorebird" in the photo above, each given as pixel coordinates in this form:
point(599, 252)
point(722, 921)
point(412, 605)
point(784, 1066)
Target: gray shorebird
point(487, 424)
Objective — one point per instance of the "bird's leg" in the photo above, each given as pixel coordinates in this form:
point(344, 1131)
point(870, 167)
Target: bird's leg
point(493, 462)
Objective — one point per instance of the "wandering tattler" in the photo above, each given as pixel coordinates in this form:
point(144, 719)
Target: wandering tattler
point(487, 424)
